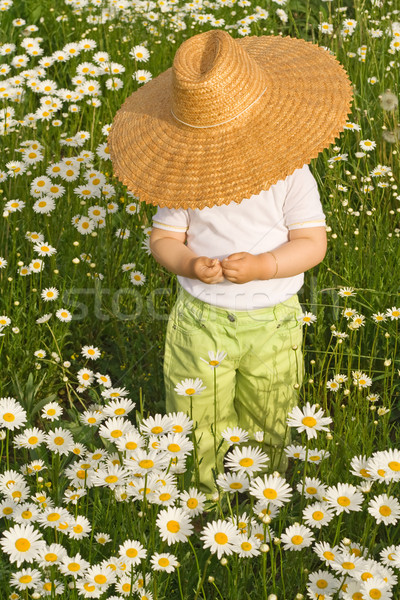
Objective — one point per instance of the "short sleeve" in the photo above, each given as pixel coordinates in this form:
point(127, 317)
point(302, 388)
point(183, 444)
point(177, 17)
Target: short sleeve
point(302, 207)
point(171, 219)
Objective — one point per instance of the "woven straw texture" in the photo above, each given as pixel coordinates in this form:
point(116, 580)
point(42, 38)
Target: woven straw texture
point(285, 101)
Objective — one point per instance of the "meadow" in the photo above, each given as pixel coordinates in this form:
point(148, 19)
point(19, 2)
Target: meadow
point(98, 495)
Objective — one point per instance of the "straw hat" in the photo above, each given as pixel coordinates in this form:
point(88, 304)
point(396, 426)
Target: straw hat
point(229, 119)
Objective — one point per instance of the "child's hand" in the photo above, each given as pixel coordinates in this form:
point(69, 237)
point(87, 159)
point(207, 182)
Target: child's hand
point(207, 269)
point(241, 267)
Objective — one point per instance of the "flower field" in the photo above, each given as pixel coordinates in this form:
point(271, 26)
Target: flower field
point(99, 494)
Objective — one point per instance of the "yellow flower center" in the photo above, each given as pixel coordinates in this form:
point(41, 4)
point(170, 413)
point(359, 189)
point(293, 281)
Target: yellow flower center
point(375, 593)
point(246, 546)
point(131, 552)
point(111, 479)
point(385, 510)
point(173, 526)
point(100, 579)
point(270, 493)
point(78, 528)
point(50, 557)
point(297, 540)
point(246, 462)
point(328, 555)
point(146, 464)
point(309, 421)
point(116, 433)
point(221, 538)
point(9, 417)
point(53, 516)
point(59, 441)
point(119, 411)
point(343, 501)
point(394, 465)
point(192, 503)
point(22, 545)
point(311, 490)
point(322, 583)
point(190, 391)
point(235, 485)
point(348, 565)
point(174, 447)
point(234, 438)
point(26, 514)
point(25, 579)
point(156, 429)
point(51, 412)
point(318, 515)
point(163, 562)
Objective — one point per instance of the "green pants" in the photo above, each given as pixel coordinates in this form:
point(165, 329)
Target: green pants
point(255, 383)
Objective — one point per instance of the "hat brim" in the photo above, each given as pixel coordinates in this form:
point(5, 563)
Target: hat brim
point(166, 163)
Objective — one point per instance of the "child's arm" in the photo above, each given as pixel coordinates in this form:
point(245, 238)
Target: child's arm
point(305, 249)
point(169, 250)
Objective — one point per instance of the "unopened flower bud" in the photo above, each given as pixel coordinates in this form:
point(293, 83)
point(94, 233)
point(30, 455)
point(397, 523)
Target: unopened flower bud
point(211, 579)
point(224, 561)
point(264, 548)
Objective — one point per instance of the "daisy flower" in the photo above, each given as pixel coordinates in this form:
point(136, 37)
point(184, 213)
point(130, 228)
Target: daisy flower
point(237, 435)
point(316, 456)
point(51, 411)
point(215, 358)
point(333, 385)
point(176, 445)
point(3, 263)
point(85, 377)
point(111, 476)
point(357, 321)
point(271, 489)
point(346, 292)
point(174, 525)
point(326, 552)
point(118, 408)
point(75, 566)
point(375, 587)
point(157, 425)
point(246, 460)
point(313, 488)
point(142, 462)
point(347, 563)
point(349, 312)
point(393, 313)
point(114, 428)
point(100, 576)
point(361, 379)
point(140, 53)
point(12, 415)
point(49, 294)
point(192, 501)
point(317, 515)
point(30, 438)
point(60, 441)
point(102, 538)
point(344, 497)
point(367, 145)
point(166, 496)
point(25, 579)
point(321, 584)
point(221, 537)
point(385, 509)
point(163, 562)
point(390, 555)
point(64, 315)
point(233, 482)
point(80, 528)
point(53, 516)
point(189, 387)
point(307, 318)
point(137, 278)
point(181, 423)
point(247, 546)
point(379, 317)
point(44, 249)
point(142, 76)
point(132, 551)
point(308, 420)
point(359, 467)
point(26, 513)
point(23, 543)
point(90, 352)
point(130, 441)
point(114, 392)
point(293, 451)
point(297, 537)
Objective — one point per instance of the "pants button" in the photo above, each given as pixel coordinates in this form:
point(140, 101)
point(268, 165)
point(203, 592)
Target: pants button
point(231, 317)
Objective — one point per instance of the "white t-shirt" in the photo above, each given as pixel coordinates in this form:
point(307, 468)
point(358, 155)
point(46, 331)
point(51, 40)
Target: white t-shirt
point(255, 225)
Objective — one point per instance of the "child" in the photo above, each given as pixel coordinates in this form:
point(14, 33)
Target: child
point(221, 143)
point(239, 297)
